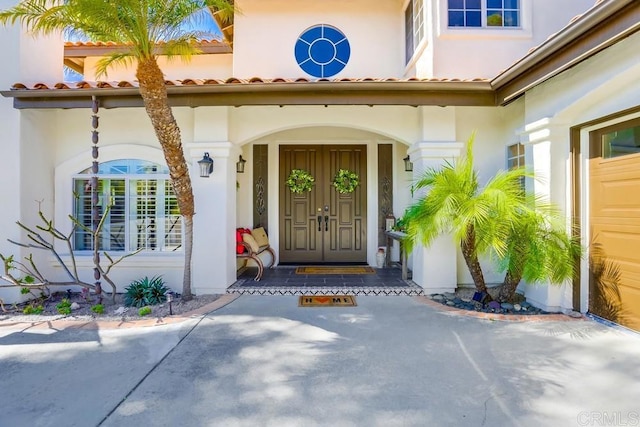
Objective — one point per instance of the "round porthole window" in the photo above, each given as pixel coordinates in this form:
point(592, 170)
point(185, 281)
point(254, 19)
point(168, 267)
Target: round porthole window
point(322, 51)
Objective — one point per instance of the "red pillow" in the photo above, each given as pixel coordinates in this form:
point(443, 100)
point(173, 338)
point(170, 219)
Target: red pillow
point(239, 246)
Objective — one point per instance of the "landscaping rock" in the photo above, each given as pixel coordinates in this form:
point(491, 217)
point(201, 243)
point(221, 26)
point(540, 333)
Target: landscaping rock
point(449, 295)
point(517, 307)
point(120, 311)
point(494, 305)
point(437, 297)
point(74, 306)
point(507, 306)
point(451, 303)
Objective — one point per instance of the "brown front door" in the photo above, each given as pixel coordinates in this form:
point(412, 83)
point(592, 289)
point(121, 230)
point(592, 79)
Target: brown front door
point(614, 286)
point(323, 225)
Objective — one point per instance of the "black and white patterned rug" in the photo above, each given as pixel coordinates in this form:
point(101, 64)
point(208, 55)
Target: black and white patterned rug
point(285, 281)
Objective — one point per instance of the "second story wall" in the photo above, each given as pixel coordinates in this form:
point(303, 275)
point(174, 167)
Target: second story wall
point(471, 46)
point(266, 32)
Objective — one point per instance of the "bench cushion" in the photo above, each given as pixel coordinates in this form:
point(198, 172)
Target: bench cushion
point(251, 241)
point(260, 236)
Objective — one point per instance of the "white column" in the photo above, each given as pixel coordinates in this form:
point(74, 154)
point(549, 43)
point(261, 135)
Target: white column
point(214, 261)
point(435, 267)
point(547, 152)
point(26, 137)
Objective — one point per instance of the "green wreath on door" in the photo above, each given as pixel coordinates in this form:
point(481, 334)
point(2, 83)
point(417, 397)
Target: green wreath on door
point(345, 181)
point(300, 181)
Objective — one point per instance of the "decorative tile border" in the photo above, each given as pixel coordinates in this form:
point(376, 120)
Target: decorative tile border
point(240, 287)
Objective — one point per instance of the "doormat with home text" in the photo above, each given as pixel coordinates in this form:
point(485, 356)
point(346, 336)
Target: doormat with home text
point(335, 269)
point(327, 301)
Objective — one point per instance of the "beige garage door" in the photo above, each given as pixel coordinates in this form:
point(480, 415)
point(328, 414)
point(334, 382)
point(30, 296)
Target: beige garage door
point(615, 224)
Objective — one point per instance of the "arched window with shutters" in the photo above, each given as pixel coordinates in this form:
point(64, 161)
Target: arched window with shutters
point(143, 210)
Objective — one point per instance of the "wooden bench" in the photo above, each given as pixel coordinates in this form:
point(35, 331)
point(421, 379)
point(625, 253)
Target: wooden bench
point(256, 243)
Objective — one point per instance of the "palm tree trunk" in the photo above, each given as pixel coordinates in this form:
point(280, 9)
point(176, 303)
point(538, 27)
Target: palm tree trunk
point(509, 285)
point(156, 103)
point(188, 249)
point(468, 247)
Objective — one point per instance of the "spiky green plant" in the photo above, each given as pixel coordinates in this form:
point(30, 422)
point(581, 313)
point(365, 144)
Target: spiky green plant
point(155, 291)
point(134, 294)
point(145, 291)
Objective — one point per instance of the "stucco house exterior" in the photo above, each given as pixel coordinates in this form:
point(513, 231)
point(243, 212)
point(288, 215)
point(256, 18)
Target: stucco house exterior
point(328, 85)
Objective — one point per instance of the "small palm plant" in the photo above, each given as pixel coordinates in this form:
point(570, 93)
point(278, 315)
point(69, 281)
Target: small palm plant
point(538, 249)
point(526, 235)
point(479, 218)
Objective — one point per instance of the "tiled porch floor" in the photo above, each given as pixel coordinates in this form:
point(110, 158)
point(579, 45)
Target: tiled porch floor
point(283, 280)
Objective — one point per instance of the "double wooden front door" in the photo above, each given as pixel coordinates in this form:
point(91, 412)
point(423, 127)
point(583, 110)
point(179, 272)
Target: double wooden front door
point(323, 225)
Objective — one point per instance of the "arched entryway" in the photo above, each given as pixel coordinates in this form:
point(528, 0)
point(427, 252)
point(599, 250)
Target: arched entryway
point(351, 224)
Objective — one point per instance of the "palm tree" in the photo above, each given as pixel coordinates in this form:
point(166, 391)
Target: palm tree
point(139, 26)
point(478, 218)
point(538, 249)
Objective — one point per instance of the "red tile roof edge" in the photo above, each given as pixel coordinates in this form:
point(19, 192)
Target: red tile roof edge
point(231, 81)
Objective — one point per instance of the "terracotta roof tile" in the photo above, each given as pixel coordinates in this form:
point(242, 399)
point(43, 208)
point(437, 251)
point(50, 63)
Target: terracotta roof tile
point(112, 43)
point(229, 81)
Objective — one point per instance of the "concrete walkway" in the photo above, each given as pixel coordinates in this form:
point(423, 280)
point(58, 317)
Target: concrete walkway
point(263, 361)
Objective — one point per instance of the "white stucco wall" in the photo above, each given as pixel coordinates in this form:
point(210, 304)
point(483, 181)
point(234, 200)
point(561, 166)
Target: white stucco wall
point(210, 66)
point(266, 32)
point(483, 52)
point(24, 168)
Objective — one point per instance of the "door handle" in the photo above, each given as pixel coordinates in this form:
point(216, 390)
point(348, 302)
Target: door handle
point(319, 222)
point(326, 223)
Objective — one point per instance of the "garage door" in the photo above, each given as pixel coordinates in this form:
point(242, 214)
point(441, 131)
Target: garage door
point(614, 282)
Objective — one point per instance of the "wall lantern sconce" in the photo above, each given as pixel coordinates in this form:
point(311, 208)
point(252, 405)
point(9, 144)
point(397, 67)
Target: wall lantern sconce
point(240, 165)
point(206, 166)
point(408, 166)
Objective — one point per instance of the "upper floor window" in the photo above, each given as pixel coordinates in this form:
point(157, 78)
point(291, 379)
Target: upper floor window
point(516, 159)
point(143, 210)
point(484, 13)
point(414, 26)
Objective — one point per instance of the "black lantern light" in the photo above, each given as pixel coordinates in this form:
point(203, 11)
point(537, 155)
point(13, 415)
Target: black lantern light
point(408, 166)
point(240, 165)
point(206, 166)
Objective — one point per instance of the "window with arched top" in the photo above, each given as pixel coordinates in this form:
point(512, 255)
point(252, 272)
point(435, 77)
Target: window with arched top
point(138, 203)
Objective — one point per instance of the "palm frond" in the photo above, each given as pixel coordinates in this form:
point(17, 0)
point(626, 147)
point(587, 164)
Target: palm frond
point(125, 58)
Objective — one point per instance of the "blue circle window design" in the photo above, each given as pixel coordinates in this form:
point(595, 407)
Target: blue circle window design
point(322, 51)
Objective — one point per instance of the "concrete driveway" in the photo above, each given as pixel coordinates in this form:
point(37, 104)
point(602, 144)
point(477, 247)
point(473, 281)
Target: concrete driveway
point(263, 361)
